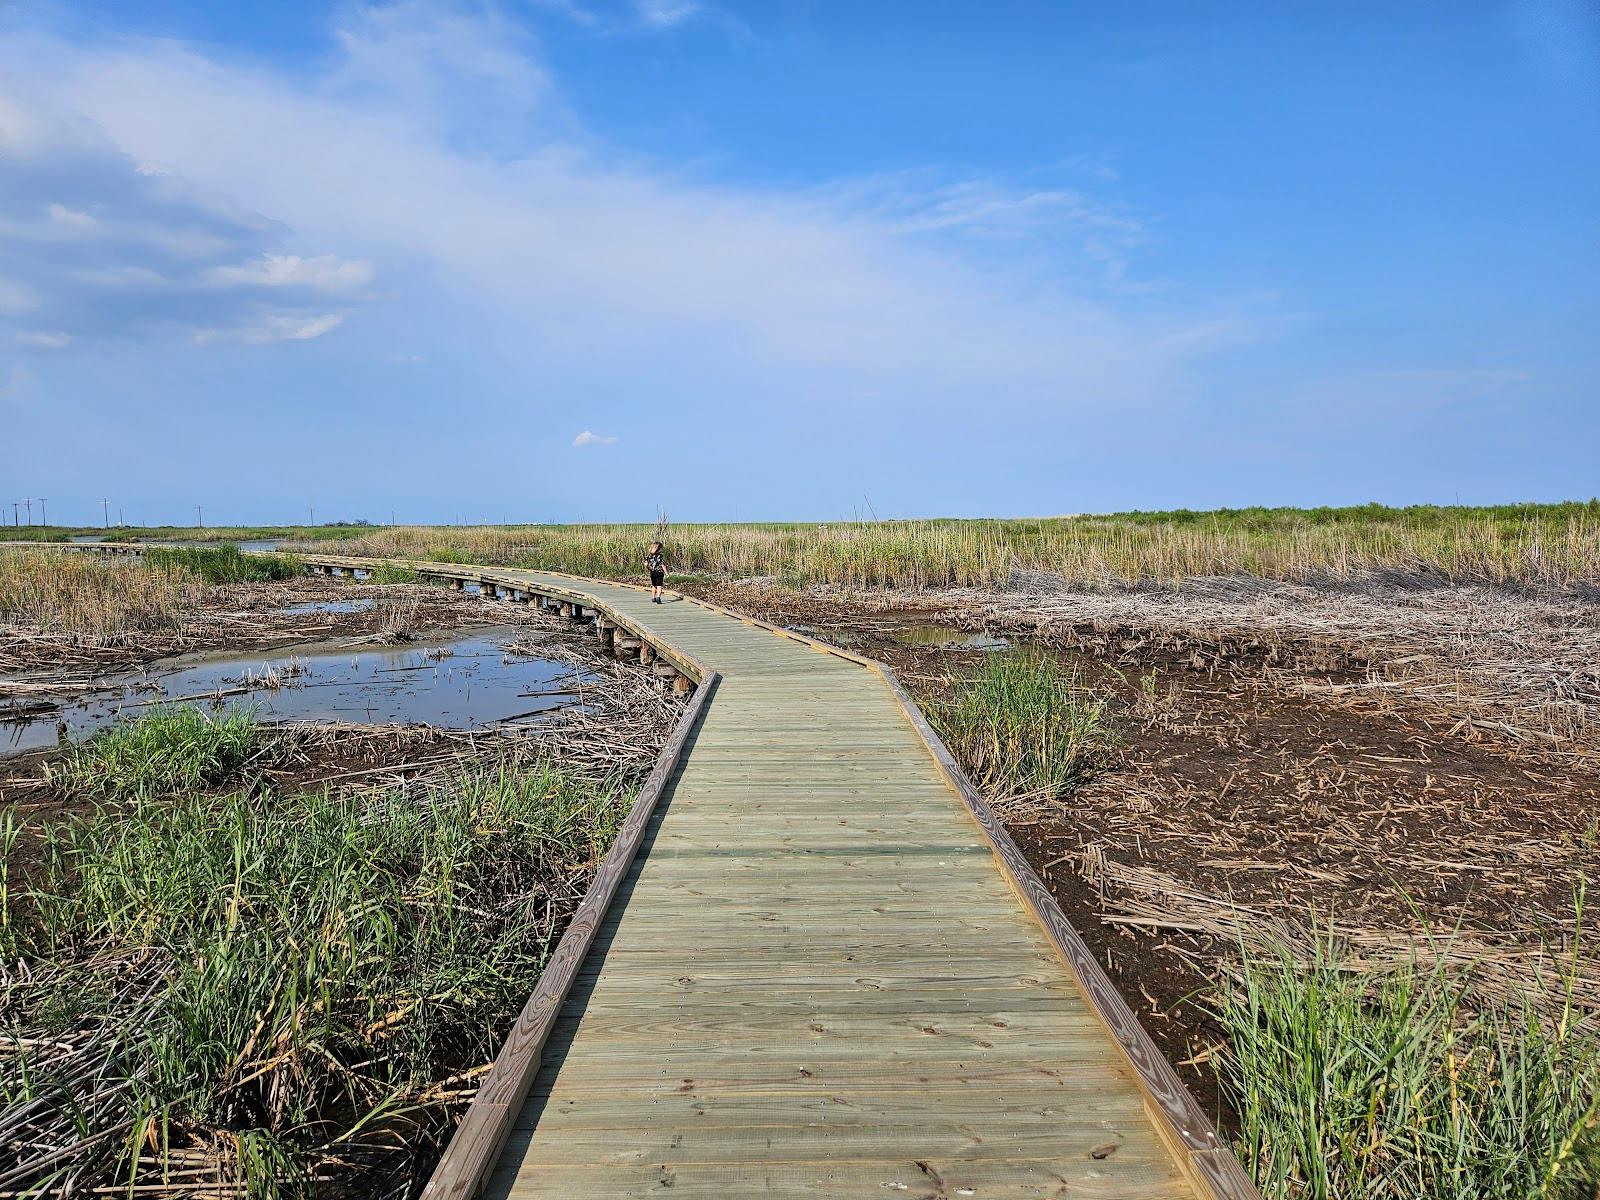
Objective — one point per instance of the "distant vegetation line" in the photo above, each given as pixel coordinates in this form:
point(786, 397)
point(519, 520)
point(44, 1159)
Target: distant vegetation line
point(1515, 544)
point(1543, 545)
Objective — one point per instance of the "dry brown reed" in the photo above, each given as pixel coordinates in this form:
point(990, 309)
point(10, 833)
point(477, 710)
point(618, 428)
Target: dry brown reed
point(90, 598)
point(1559, 550)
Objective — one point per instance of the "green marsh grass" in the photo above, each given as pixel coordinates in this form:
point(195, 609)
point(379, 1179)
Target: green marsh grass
point(168, 749)
point(328, 964)
point(387, 572)
point(223, 564)
point(1402, 1084)
point(1023, 725)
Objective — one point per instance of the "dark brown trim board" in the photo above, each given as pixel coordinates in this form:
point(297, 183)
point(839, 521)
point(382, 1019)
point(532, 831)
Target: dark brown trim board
point(475, 1145)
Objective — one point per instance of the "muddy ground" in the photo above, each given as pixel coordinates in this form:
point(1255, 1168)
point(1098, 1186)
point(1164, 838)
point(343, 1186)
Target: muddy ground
point(1249, 792)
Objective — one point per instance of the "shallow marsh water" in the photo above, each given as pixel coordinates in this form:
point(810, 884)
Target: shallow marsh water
point(245, 544)
point(945, 635)
point(329, 606)
point(464, 680)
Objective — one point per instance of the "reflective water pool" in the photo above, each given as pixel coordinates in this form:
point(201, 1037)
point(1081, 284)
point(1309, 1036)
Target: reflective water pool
point(467, 681)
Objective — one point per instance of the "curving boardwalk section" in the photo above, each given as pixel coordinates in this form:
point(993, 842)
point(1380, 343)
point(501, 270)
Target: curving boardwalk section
point(820, 975)
point(816, 979)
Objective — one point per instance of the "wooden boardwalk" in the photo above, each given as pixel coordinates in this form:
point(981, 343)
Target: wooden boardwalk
point(826, 971)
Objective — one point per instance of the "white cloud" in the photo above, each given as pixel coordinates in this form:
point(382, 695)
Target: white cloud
point(273, 329)
point(68, 218)
point(325, 273)
point(663, 14)
point(573, 255)
point(589, 438)
point(102, 242)
point(42, 340)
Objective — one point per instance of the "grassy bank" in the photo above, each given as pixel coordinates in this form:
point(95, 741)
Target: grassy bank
point(278, 993)
point(1402, 1085)
point(1557, 545)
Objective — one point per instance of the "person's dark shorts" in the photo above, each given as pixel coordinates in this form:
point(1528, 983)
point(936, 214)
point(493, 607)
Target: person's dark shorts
point(657, 578)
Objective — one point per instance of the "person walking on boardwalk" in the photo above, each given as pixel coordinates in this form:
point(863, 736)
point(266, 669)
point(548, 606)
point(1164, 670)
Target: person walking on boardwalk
point(658, 571)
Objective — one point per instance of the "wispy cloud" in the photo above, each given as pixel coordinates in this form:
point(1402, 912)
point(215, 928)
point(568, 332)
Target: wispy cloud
point(273, 329)
point(42, 340)
point(324, 273)
point(663, 14)
point(278, 189)
point(590, 438)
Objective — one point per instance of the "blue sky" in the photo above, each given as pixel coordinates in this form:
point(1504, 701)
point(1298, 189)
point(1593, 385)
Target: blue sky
point(588, 259)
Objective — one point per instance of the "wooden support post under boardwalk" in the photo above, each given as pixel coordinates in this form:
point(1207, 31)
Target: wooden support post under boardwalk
point(647, 653)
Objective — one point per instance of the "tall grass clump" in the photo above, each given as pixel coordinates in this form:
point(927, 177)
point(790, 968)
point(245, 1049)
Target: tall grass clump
point(168, 749)
point(1403, 1085)
point(89, 598)
point(388, 572)
point(280, 994)
point(223, 564)
point(1023, 725)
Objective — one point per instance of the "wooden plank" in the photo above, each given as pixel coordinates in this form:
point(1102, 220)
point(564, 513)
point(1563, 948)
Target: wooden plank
point(472, 1151)
point(1003, 1177)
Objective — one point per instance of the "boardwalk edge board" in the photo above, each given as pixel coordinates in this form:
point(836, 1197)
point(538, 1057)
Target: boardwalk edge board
point(1205, 1161)
point(475, 1146)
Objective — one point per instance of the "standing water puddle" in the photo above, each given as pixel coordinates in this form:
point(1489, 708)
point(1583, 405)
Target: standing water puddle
point(465, 682)
point(943, 635)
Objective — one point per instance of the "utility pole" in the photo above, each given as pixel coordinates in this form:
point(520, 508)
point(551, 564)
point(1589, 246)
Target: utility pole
point(105, 509)
point(120, 521)
point(43, 520)
point(313, 514)
point(28, 503)
point(16, 517)
point(201, 515)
